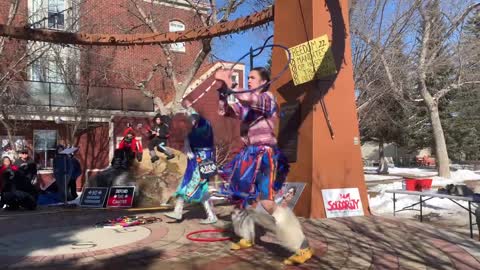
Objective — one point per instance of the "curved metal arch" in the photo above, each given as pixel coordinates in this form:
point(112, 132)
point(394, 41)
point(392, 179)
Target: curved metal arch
point(223, 28)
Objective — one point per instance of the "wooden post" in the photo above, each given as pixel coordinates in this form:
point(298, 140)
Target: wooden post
point(322, 162)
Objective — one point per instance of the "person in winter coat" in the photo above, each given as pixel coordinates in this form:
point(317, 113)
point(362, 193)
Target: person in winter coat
point(15, 191)
point(159, 134)
point(27, 167)
point(7, 171)
point(75, 172)
point(130, 144)
point(66, 170)
point(27, 173)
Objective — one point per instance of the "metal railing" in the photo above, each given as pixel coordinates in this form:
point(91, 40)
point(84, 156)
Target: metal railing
point(49, 94)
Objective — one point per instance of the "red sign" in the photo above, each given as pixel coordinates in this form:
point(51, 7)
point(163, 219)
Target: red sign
point(121, 197)
point(343, 203)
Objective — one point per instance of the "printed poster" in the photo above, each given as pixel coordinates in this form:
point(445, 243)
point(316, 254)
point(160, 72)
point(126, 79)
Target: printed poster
point(289, 194)
point(312, 60)
point(342, 202)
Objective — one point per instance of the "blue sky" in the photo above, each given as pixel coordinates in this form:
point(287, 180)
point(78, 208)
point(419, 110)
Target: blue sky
point(232, 47)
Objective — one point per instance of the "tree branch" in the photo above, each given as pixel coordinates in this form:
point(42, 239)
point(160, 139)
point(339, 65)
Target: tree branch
point(169, 66)
point(199, 59)
point(456, 22)
point(198, 11)
point(11, 16)
point(231, 7)
point(380, 52)
point(423, 58)
point(213, 10)
point(450, 88)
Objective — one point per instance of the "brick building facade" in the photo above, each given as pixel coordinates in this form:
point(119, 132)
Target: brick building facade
point(99, 82)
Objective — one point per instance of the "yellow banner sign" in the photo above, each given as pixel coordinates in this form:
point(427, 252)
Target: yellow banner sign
point(312, 60)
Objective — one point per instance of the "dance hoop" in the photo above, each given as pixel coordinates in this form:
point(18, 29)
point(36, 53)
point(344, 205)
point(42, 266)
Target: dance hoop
point(189, 236)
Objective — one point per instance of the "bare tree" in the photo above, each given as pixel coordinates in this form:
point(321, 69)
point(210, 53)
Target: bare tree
point(15, 59)
point(434, 33)
point(374, 33)
point(67, 90)
point(40, 61)
point(208, 13)
point(381, 69)
point(434, 52)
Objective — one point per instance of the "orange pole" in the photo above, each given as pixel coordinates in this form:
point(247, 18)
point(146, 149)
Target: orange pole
point(322, 162)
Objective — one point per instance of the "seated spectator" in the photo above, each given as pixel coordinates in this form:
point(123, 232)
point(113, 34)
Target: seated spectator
point(133, 147)
point(16, 191)
point(6, 172)
point(27, 168)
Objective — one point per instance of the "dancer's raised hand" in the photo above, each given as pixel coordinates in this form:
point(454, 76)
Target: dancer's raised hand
point(225, 76)
point(186, 103)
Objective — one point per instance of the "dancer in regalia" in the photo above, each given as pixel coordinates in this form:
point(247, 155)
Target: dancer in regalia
point(260, 168)
point(199, 148)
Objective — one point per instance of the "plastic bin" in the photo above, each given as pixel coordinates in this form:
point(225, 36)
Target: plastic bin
point(426, 184)
point(418, 184)
point(410, 184)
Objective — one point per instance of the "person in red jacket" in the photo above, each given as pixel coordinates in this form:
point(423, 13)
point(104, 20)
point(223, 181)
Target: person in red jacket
point(14, 192)
point(6, 170)
point(131, 146)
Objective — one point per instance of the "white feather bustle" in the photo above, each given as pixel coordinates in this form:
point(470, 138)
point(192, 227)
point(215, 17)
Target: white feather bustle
point(283, 223)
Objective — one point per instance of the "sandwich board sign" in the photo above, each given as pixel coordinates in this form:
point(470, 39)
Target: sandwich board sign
point(342, 202)
point(93, 197)
point(121, 197)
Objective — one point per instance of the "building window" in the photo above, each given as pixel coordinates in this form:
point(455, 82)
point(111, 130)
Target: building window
point(176, 26)
point(46, 69)
point(56, 14)
point(235, 78)
point(44, 144)
point(37, 72)
point(7, 148)
point(48, 14)
point(50, 87)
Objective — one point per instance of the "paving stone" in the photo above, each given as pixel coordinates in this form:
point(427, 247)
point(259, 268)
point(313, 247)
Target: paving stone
point(349, 243)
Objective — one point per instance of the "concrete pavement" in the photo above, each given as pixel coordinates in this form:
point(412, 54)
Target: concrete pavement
point(61, 239)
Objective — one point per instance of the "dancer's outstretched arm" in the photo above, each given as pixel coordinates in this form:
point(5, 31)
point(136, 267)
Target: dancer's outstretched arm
point(228, 105)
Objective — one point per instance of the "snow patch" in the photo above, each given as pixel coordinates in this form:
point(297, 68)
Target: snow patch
point(377, 177)
point(457, 177)
point(419, 172)
point(382, 203)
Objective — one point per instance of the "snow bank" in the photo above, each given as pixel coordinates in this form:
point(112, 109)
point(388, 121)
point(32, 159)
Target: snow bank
point(377, 177)
point(420, 172)
point(456, 177)
point(394, 173)
point(383, 204)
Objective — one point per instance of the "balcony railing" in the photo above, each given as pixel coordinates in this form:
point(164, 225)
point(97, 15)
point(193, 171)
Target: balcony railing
point(47, 94)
